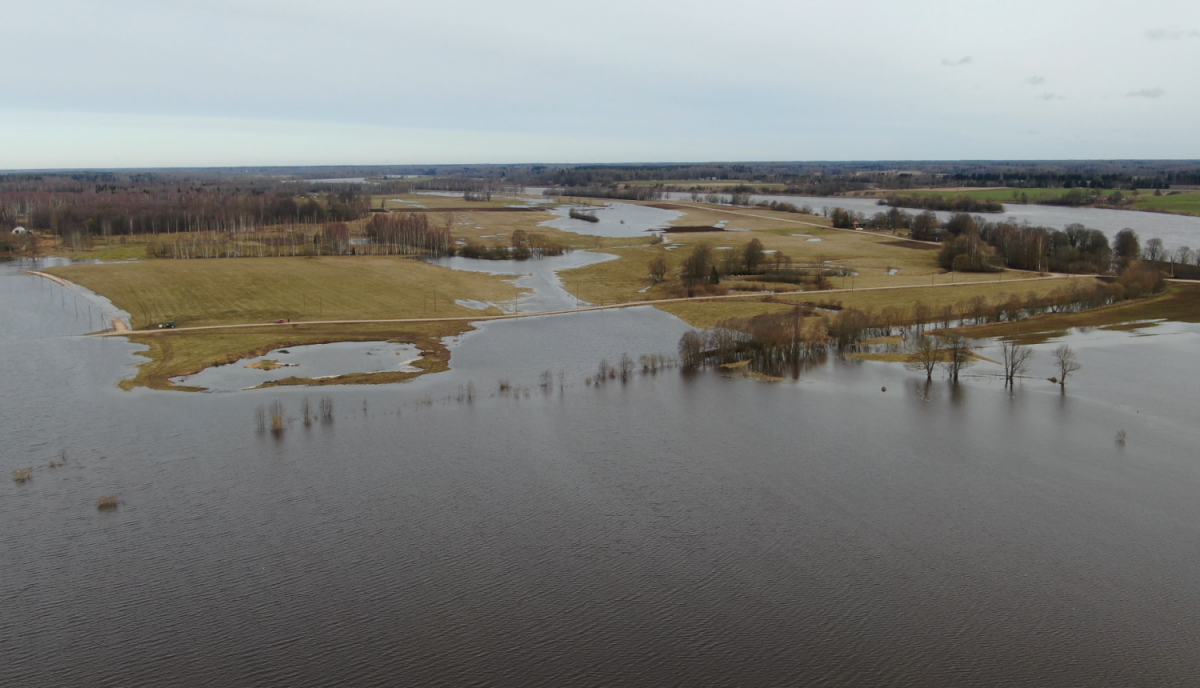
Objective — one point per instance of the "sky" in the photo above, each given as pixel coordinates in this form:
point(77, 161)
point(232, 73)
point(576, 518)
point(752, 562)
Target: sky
point(156, 83)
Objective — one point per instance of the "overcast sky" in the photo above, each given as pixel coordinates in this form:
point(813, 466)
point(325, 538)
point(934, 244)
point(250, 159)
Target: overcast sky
point(293, 82)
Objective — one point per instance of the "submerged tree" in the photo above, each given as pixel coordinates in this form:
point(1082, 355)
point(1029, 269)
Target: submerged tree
point(1064, 357)
point(958, 355)
point(1016, 360)
point(924, 353)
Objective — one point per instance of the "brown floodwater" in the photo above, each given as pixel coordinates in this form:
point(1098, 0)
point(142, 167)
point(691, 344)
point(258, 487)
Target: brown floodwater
point(670, 530)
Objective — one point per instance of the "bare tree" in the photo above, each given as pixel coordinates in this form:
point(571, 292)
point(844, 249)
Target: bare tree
point(1064, 357)
point(924, 353)
point(626, 367)
point(1154, 250)
point(1016, 360)
point(697, 267)
point(958, 355)
point(658, 269)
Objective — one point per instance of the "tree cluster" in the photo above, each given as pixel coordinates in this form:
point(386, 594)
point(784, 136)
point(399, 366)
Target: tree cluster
point(960, 203)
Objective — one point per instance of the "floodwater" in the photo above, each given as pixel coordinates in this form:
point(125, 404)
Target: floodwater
point(616, 219)
point(544, 289)
point(312, 361)
point(1174, 230)
point(669, 530)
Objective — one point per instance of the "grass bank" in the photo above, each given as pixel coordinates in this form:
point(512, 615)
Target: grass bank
point(173, 354)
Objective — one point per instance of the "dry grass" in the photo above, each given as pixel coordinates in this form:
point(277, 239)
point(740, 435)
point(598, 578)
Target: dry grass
point(708, 313)
point(248, 290)
point(937, 297)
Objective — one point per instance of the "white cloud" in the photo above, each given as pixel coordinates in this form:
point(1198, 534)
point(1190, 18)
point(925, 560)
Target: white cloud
point(544, 80)
point(1171, 34)
point(1147, 93)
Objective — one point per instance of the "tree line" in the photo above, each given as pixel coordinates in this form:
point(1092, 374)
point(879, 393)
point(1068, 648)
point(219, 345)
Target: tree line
point(962, 204)
point(771, 340)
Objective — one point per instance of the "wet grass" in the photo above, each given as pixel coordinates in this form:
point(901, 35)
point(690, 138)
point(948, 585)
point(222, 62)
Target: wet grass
point(173, 354)
point(108, 502)
point(23, 475)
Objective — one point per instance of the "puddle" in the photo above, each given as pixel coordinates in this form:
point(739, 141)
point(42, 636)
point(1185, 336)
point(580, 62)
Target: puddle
point(475, 305)
point(893, 271)
point(814, 239)
point(313, 360)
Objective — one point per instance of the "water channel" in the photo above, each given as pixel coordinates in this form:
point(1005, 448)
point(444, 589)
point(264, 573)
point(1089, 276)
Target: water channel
point(669, 530)
point(1174, 230)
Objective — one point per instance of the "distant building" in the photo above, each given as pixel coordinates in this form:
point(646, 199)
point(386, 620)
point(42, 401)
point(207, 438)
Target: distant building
point(20, 230)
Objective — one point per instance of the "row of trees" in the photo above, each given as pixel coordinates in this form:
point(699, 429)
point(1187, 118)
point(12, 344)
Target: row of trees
point(962, 204)
point(137, 212)
point(522, 246)
point(952, 352)
point(974, 244)
point(408, 233)
point(628, 192)
point(793, 334)
point(388, 235)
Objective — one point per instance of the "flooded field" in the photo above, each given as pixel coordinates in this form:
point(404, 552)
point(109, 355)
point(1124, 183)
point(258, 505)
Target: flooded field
point(672, 529)
point(311, 361)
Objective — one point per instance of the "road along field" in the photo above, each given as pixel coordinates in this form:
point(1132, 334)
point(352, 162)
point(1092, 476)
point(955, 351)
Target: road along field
point(359, 298)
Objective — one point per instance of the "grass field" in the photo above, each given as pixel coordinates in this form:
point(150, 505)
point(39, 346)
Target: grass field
point(1187, 203)
point(257, 290)
point(709, 313)
point(877, 260)
point(247, 290)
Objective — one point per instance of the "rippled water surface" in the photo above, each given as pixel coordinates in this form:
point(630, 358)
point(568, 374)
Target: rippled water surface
point(670, 530)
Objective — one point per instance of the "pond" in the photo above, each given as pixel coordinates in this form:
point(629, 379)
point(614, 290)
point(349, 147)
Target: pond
point(309, 361)
point(616, 219)
point(674, 529)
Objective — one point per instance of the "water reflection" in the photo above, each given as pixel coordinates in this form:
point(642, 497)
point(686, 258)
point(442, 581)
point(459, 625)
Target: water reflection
point(671, 529)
